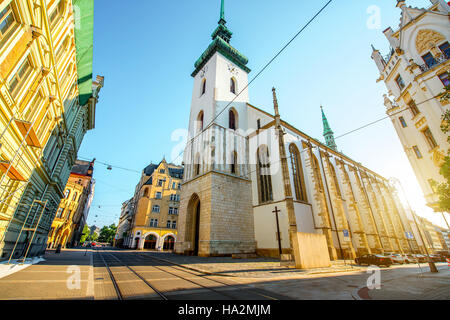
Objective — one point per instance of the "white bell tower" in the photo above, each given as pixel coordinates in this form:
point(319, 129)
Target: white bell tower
point(216, 215)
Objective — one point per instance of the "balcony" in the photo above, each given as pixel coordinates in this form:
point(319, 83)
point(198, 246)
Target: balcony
point(426, 67)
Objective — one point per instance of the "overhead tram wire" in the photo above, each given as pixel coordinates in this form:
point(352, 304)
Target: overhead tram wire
point(261, 71)
point(381, 119)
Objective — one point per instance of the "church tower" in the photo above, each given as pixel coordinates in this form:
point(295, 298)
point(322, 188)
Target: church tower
point(216, 214)
point(327, 132)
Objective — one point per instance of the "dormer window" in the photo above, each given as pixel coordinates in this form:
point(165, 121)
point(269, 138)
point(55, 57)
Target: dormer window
point(233, 85)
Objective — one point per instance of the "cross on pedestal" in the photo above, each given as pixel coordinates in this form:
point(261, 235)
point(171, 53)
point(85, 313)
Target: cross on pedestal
point(276, 211)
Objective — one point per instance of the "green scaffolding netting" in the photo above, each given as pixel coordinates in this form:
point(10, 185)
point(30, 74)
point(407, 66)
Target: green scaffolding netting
point(84, 41)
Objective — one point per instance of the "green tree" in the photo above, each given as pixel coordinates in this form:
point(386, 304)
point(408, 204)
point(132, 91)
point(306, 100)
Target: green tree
point(443, 189)
point(107, 233)
point(85, 234)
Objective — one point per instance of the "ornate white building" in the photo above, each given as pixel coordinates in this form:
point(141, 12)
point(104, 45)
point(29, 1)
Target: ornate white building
point(235, 179)
point(415, 73)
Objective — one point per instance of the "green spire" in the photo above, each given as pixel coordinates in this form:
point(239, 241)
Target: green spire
point(222, 13)
point(327, 132)
point(221, 43)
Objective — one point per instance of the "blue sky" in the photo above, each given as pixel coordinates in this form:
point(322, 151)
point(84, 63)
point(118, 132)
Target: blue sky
point(146, 50)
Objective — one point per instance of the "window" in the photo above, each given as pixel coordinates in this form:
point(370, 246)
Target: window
point(162, 171)
point(58, 12)
point(297, 172)
point(233, 85)
point(174, 224)
point(21, 75)
point(161, 182)
point(402, 122)
point(417, 152)
point(234, 162)
point(59, 212)
point(317, 174)
point(203, 87)
point(258, 124)
point(154, 223)
point(429, 137)
point(174, 197)
point(158, 195)
point(200, 122)
point(400, 82)
point(156, 209)
point(413, 107)
point(7, 21)
point(74, 198)
point(335, 180)
point(174, 185)
point(66, 193)
point(445, 48)
point(197, 165)
point(264, 175)
point(429, 59)
point(232, 119)
point(444, 79)
point(68, 213)
point(169, 224)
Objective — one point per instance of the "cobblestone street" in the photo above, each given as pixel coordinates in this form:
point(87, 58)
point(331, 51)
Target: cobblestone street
point(181, 276)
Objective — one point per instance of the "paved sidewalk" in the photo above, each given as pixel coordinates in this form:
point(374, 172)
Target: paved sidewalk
point(51, 279)
point(249, 268)
point(425, 286)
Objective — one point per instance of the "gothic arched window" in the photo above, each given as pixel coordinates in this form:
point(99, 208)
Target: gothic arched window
point(197, 165)
point(203, 87)
point(297, 172)
point(232, 85)
point(200, 121)
point(232, 119)
point(335, 179)
point(317, 174)
point(234, 162)
point(264, 175)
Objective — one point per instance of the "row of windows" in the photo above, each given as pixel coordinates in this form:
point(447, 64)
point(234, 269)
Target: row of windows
point(157, 209)
point(443, 77)
point(175, 197)
point(232, 120)
point(59, 213)
point(169, 225)
point(67, 193)
point(233, 86)
point(429, 139)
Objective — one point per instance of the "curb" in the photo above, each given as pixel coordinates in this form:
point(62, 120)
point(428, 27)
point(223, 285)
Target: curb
point(234, 276)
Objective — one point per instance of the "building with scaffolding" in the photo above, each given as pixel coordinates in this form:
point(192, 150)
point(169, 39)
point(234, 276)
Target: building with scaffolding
point(67, 227)
point(47, 102)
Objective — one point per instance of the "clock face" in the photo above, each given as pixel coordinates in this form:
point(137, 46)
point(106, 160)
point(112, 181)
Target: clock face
point(204, 70)
point(232, 69)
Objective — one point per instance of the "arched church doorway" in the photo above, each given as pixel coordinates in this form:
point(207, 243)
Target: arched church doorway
point(193, 224)
point(169, 243)
point(197, 227)
point(150, 242)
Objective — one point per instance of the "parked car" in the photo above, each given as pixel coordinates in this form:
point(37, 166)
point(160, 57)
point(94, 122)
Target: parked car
point(395, 257)
point(374, 259)
point(409, 258)
point(437, 258)
point(421, 258)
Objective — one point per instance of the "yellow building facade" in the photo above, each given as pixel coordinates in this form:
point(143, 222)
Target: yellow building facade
point(47, 103)
point(155, 210)
point(73, 209)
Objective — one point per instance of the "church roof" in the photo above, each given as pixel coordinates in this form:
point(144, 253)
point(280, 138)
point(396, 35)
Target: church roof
point(221, 38)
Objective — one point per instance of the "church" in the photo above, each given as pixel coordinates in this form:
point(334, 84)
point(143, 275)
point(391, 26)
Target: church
point(254, 183)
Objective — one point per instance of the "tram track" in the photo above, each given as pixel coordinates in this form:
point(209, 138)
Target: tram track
point(127, 279)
